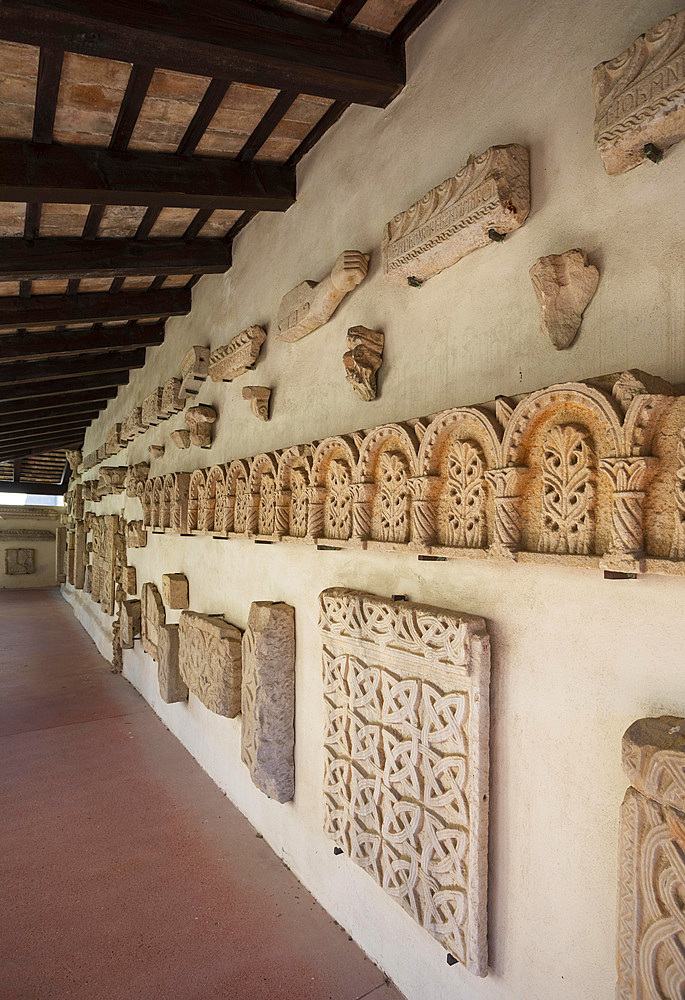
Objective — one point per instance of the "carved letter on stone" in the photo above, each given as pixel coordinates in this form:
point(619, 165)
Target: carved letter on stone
point(194, 370)
point(171, 686)
point(181, 438)
point(564, 283)
point(492, 192)
point(259, 396)
point(175, 590)
point(199, 420)
point(406, 691)
point(268, 699)
point(362, 360)
point(152, 616)
point(640, 96)
point(20, 562)
point(227, 363)
point(210, 661)
point(650, 954)
point(309, 306)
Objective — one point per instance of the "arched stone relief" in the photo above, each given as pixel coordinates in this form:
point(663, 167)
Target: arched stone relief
point(382, 495)
point(196, 495)
point(145, 491)
point(568, 491)
point(462, 518)
point(678, 545)
point(157, 503)
point(213, 507)
point(330, 500)
point(292, 491)
point(262, 495)
point(237, 476)
point(169, 485)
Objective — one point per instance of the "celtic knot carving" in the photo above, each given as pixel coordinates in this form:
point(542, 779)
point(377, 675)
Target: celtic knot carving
point(405, 783)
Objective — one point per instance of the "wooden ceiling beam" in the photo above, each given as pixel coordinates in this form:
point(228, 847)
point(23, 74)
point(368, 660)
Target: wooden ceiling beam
point(56, 258)
point(65, 343)
point(40, 444)
point(57, 401)
point(19, 432)
point(79, 175)
point(39, 489)
point(228, 39)
point(43, 387)
point(54, 369)
point(61, 417)
point(91, 307)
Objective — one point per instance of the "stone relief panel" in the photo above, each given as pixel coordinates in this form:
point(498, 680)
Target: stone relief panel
point(268, 699)
point(238, 356)
point(406, 749)
point(20, 562)
point(583, 473)
point(136, 535)
point(210, 661)
point(129, 623)
point(490, 193)
point(61, 553)
point(152, 617)
point(309, 305)
point(650, 954)
point(107, 545)
point(640, 96)
point(171, 685)
point(199, 420)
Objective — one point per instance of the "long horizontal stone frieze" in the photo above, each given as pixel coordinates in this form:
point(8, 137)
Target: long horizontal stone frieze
point(586, 474)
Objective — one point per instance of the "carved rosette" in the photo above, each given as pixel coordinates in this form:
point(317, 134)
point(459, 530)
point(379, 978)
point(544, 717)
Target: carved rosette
point(507, 484)
point(628, 477)
point(362, 510)
point(424, 492)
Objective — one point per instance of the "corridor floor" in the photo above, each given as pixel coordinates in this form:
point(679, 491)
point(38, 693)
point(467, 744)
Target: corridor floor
point(126, 873)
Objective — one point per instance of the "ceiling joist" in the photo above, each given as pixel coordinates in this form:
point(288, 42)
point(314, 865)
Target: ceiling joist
point(67, 386)
point(40, 444)
point(91, 307)
point(78, 175)
point(8, 433)
point(38, 489)
point(67, 343)
point(228, 39)
point(25, 421)
point(57, 402)
point(20, 372)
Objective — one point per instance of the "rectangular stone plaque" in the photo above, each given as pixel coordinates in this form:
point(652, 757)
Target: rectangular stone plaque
point(210, 661)
point(406, 788)
point(492, 192)
point(20, 562)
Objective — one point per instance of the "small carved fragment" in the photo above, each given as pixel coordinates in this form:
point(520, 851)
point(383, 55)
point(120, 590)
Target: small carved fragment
point(113, 442)
point(74, 458)
point(171, 685)
point(112, 480)
point(194, 371)
point(309, 305)
point(136, 535)
point(152, 616)
point(234, 359)
point(210, 661)
point(156, 450)
point(564, 283)
point(259, 396)
point(181, 438)
point(363, 358)
point(488, 197)
point(172, 401)
point(640, 97)
point(268, 699)
point(136, 474)
point(153, 406)
point(129, 623)
point(20, 562)
point(175, 590)
point(199, 420)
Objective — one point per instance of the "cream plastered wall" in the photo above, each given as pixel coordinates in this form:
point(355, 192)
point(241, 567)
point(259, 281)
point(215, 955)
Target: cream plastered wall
point(576, 658)
point(44, 559)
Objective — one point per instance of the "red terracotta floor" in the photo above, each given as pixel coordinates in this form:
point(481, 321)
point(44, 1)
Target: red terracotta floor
point(124, 872)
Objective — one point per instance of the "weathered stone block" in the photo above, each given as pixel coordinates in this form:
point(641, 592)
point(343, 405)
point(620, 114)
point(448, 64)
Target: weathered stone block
point(136, 535)
point(259, 396)
point(268, 699)
point(129, 623)
point(640, 96)
point(363, 358)
point(175, 590)
point(194, 371)
point(199, 420)
point(235, 358)
point(171, 686)
point(20, 562)
point(564, 283)
point(406, 780)
point(210, 661)
point(492, 192)
point(309, 305)
point(153, 616)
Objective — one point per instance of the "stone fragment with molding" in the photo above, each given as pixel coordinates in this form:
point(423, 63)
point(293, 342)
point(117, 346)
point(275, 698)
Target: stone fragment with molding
point(259, 396)
point(564, 283)
point(194, 371)
point(363, 358)
point(310, 304)
point(171, 686)
point(175, 590)
point(199, 420)
point(129, 622)
point(238, 356)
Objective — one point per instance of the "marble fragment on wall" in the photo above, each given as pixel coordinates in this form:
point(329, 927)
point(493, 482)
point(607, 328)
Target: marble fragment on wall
point(640, 96)
point(259, 396)
point(236, 357)
point(651, 927)
point(268, 699)
point(171, 685)
point(175, 590)
point(406, 781)
point(194, 371)
point(20, 562)
point(129, 622)
point(310, 304)
point(210, 661)
point(61, 553)
point(490, 193)
point(199, 421)
point(564, 283)
point(136, 535)
point(363, 358)
point(152, 617)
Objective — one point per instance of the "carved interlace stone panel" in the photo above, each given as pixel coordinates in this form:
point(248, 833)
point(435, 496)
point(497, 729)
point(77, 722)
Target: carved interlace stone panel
point(210, 661)
point(406, 691)
point(152, 616)
point(268, 699)
point(651, 915)
point(640, 96)
point(491, 192)
point(20, 562)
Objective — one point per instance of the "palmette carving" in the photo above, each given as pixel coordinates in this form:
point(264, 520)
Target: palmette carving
point(650, 954)
point(587, 473)
point(640, 96)
point(406, 758)
point(210, 661)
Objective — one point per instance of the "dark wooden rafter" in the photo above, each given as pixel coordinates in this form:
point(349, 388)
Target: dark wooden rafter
point(92, 307)
point(53, 369)
point(39, 489)
point(80, 383)
point(17, 469)
point(66, 343)
point(54, 403)
point(79, 175)
point(37, 446)
point(236, 40)
point(61, 417)
point(9, 433)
